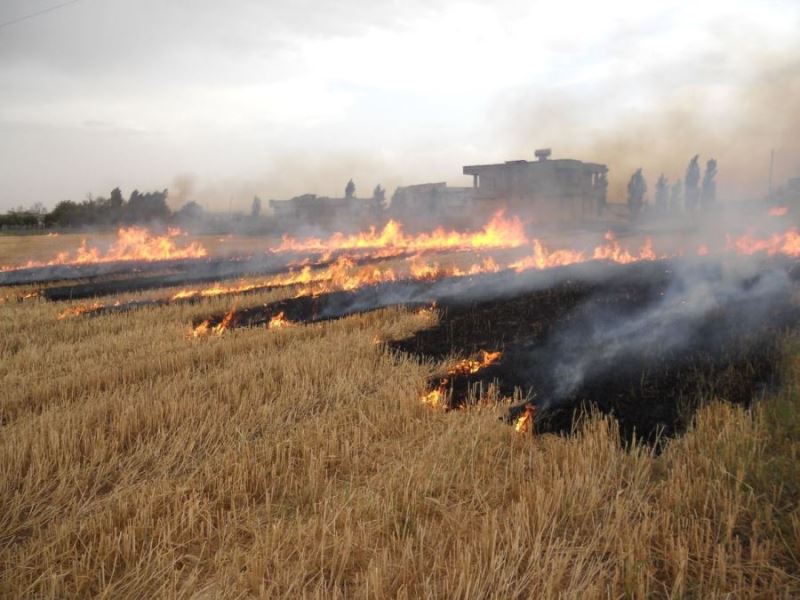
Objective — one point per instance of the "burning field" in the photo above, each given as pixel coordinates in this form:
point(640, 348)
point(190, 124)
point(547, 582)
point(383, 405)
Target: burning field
point(485, 413)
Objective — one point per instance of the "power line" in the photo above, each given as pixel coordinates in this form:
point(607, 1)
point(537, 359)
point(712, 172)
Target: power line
point(37, 13)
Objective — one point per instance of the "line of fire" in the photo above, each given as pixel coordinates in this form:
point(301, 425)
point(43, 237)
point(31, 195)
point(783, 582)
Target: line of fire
point(531, 290)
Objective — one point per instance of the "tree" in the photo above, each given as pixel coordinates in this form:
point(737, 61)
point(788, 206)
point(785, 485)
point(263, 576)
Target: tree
point(151, 206)
point(191, 211)
point(637, 188)
point(709, 185)
point(65, 213)
point(691, 190)
point(662, 193)
point(350, 190)
point(38, 209)
point(20, 218)
point(255, 208)
point(676, 196)
point(116, 200)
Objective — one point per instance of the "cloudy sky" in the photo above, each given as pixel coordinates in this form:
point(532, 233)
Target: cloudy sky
point(218, 101)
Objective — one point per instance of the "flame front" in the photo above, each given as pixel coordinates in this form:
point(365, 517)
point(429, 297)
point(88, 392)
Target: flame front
point(132, 244)
point(499, 232)
point(279, 321)
point(80, 309)
point(290, 278)
point(786, 243)
point(432, 271)
point(205, 328)
point(524, 422)
point(470, 366)
point(202, 329)
point(341, 275)
point(436, 397)
point(346, 274)
point(611, 250)
point(467, 366)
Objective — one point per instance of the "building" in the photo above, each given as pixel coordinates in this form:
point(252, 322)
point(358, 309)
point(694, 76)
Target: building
point(326, 212)
point(422, 203)
point(544, 191)
point(551, 191)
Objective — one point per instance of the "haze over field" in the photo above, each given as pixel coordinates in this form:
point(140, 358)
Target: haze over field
point(222, 101)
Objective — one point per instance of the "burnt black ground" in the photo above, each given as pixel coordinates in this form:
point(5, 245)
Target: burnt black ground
point(729, 355)
point(190, 273)
point(99, 271)
point(197, 274)
point(542, 321)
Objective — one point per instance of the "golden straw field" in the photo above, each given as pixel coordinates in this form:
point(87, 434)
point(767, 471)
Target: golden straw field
point(137, 462)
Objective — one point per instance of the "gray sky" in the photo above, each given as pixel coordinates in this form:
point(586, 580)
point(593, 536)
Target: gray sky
point(221, 100)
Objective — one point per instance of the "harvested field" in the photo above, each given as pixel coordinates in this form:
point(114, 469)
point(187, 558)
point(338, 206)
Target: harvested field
point(138, 461)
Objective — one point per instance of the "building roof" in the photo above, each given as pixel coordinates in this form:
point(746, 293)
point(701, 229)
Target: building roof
point(558, 163)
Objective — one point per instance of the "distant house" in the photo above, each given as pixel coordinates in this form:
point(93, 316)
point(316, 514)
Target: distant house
point(559, 190)
point(430, 200)
point(324, 211)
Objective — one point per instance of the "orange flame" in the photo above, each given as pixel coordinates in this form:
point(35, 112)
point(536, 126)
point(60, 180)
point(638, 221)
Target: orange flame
point(341, 275)
point(614, 252)
point(204, 328)
point(525, 420)
point(80, 309)
point(436, 396)
point(279, 321)
point(611, 250)
point(787, 244)
point(499, 232)
point(543, 258)
point(468, 366)
point(223, 325)
point(132, 243)
point(290, 278)
point(420, 270)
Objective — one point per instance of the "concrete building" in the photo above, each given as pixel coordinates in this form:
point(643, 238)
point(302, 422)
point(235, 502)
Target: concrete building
point(425, 202)
point(551, 190)
point(544, 191)
point(327, 212)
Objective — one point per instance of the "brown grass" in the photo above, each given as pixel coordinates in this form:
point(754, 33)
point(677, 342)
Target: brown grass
point(137, 463)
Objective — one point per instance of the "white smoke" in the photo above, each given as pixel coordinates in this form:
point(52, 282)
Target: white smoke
point(602, 341)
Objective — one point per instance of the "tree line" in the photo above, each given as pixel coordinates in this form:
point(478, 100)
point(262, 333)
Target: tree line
point(688, 195)
point(114, 210)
